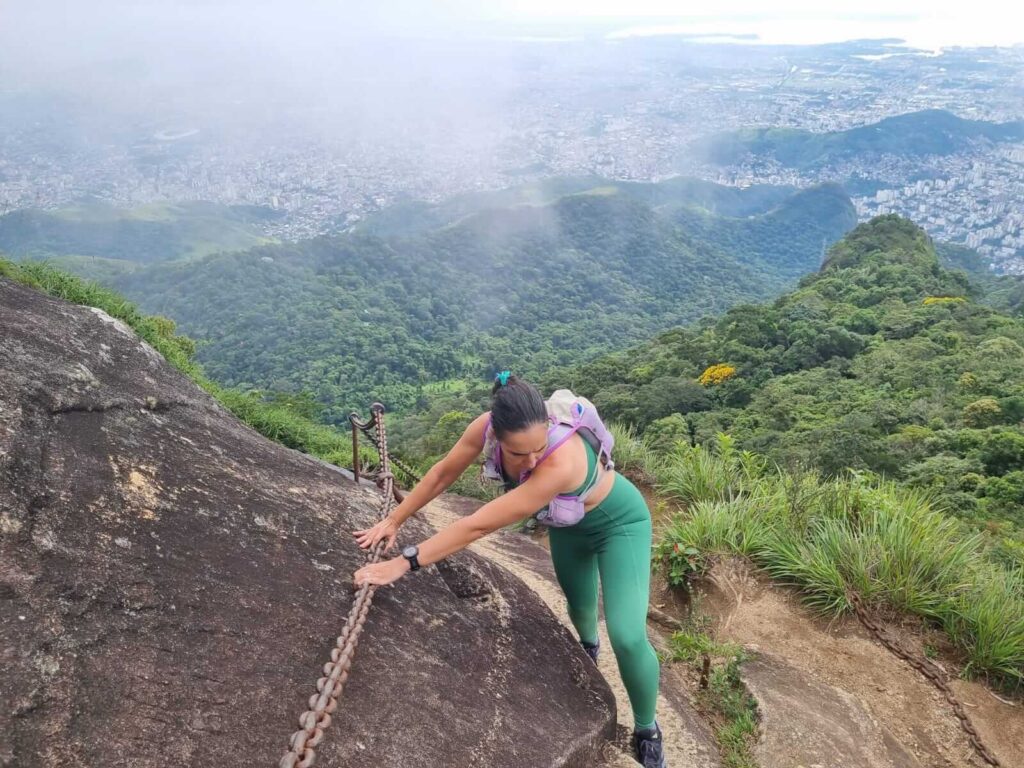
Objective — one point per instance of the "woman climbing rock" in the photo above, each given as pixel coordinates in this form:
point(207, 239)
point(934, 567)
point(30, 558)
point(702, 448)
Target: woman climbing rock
point(554, 457)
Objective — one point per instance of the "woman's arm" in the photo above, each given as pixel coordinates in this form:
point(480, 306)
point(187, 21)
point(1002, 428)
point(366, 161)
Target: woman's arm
point(518, 504)
point(445, 472)
point(436, 480)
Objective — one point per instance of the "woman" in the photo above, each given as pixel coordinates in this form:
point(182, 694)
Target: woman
point(612, 539)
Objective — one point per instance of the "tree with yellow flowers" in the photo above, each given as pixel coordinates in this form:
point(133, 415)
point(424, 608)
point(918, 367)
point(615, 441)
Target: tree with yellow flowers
point(716, 374)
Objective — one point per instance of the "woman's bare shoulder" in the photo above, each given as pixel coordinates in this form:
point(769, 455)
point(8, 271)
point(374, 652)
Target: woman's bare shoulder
point(564, 459)
point(476, 429)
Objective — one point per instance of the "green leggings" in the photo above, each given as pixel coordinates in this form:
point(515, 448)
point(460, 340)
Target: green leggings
point(613, 539)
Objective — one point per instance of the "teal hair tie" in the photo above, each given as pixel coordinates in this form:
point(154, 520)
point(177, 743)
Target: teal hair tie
point(503, 377)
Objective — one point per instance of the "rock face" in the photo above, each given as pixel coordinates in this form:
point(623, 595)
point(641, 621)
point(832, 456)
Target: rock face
point(171, 584)
point(805, 721)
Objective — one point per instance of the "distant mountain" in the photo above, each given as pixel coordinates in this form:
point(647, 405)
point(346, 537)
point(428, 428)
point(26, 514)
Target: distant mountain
point(786, 238)
point(154, 233)
point(1005, 292)
point(882, 360)
point(361, 316)
point(929, 132)
point(415, 217)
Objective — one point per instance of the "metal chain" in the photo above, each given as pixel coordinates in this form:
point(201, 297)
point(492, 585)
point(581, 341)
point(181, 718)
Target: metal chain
point(405, 468)
point(930, 670)
point(322, 704)
point(397, 462)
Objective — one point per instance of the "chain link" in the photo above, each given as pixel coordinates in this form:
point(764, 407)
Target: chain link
point(930, 670)
point(395, 461)
point(322, 704)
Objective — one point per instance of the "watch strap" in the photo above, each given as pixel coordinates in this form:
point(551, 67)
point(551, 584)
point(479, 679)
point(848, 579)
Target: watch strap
point(414, 561)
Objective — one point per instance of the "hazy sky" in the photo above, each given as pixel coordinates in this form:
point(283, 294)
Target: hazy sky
point(364, 57)
point(933, 22)
point(52, 32)
point(411, 74)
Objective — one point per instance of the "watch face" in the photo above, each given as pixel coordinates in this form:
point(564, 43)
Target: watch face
point(411, 551)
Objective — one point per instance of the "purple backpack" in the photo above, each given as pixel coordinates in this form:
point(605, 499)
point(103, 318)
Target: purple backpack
point(568, 415)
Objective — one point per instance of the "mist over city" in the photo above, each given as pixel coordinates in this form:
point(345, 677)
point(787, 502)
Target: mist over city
point(329, 112)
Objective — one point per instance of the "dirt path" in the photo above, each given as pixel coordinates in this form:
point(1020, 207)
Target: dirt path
point(841, 653)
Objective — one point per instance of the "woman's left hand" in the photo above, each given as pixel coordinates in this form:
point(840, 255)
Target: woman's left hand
point(381, 573)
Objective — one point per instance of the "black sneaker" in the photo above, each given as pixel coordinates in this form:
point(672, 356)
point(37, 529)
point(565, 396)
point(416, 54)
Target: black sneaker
point(648, 749)
point(592, 650)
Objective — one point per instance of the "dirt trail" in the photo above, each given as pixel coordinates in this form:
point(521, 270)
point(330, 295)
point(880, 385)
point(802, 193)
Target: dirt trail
point(749, 611)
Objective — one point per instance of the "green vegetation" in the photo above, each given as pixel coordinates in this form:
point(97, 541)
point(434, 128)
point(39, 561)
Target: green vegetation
point(417, 217)
point(1004, 292)
point(731, 709)
point(875, 411)
point(792, 237)
point(358, 317)
point(632, 456)
point(928, 132)
point(468, 281)
point(882, 361)
point(288, 422)
point(892, 545)
point(738, 734)
point(153, 233)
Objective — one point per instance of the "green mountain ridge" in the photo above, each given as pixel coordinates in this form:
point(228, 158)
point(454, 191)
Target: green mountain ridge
point(415, 217)
point(928, 132)
point(806, 216)
point(357, 317)
point(882, 361)
point(145, 235)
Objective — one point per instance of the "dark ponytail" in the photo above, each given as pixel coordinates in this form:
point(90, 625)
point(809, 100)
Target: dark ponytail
point(515, 405)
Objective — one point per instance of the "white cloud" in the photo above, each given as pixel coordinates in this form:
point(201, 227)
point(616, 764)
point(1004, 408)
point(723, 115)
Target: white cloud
point(925, 23)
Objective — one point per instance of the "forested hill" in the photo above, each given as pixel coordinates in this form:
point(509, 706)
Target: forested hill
point(928, 132)
point(413, 217)
point(882, 360)
point(359, 316)
point(124, 238)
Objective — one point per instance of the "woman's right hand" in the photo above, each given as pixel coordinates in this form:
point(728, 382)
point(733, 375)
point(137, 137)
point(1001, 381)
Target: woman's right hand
point(385, 529)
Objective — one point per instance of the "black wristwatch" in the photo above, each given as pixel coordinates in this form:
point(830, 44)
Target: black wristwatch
point(412, 553)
